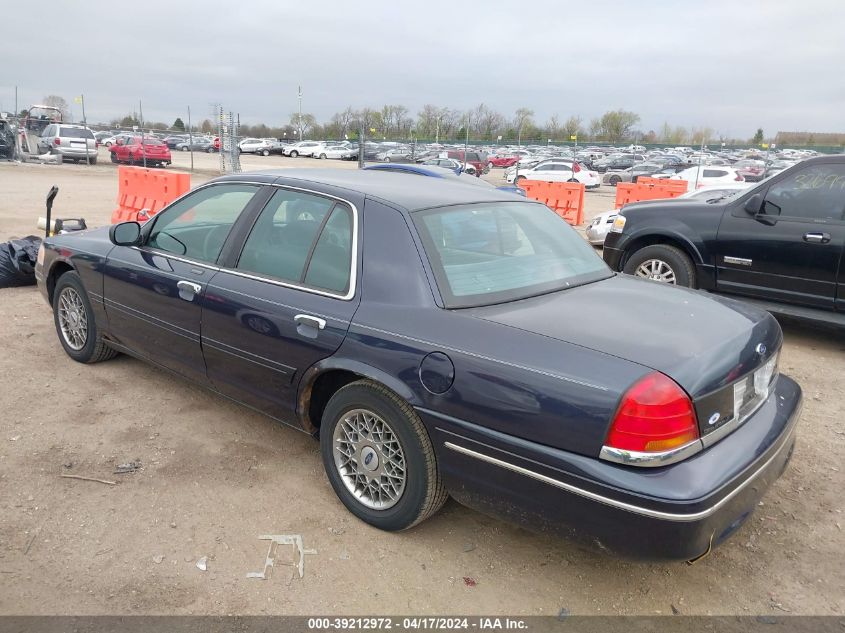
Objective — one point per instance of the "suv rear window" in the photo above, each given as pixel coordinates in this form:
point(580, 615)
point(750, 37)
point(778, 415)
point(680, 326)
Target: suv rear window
point(75, 132)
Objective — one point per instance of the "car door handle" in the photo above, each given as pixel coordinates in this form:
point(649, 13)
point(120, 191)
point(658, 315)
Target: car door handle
point(307, 319)
point(188, 289)
point(817, 238)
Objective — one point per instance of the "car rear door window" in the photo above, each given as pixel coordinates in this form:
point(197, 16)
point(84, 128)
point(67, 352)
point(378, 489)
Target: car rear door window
point(197, 225)
point(816, 192)
point(301, 238)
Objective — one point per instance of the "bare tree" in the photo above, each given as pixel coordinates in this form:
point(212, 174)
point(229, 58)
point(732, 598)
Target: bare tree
point(55, 101)
point(523, 118)
point(344, 120)
point(553, 127)
point(303, 122)
point(572, 127)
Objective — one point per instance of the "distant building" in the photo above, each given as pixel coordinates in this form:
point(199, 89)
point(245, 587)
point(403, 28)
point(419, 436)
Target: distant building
point(827, 139)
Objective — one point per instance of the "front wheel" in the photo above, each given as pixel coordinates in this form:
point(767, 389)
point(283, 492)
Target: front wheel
point(265, 152)
point(379, 458)
point(663, 263)
point(75, 323)
point(294, 154)
point(184, 148)
point(322, 156)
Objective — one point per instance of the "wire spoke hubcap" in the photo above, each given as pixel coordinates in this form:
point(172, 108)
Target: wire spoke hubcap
point(369, 459)
point(657, 270)
point(73, 319)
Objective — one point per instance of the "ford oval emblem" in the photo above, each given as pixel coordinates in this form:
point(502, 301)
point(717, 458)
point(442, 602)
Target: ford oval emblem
point(368, 458)
point(760, 349)
point(714, 418)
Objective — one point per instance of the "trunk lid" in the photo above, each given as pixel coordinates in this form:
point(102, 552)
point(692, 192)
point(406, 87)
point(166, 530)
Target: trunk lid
point(703, 342)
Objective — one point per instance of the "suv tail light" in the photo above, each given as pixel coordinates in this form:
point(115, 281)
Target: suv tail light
point(57, 141)
point(655, 416)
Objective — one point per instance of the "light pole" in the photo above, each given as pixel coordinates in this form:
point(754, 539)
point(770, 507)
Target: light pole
point(300, 113)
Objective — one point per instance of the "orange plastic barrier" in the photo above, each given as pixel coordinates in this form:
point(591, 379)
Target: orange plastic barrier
point(671, 185)
point(564, 198)
point(140, 188)
point(648, 189)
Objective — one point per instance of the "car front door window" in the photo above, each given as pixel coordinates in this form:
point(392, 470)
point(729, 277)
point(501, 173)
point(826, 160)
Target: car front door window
point(197, 225)
point(814, 193)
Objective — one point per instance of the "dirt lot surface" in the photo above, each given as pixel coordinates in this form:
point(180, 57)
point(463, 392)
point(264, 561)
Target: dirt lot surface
point(215, 476)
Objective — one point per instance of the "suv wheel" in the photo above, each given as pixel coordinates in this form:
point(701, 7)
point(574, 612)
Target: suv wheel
point(663, 263)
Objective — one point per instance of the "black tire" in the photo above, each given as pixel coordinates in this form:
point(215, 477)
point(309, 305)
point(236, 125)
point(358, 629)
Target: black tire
point(676, 259)
point(113, 157)
point(615, 180)
point(94, 350)
point(93, 161)
point(294, 154)
point(131, 160)
point(322, 156)
point(210, 150)
point(184, 148)
point(424, 493)
point(265, 152)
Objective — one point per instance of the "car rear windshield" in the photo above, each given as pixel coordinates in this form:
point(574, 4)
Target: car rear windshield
point(75, 132)
point(152, 141)
point(490, 253)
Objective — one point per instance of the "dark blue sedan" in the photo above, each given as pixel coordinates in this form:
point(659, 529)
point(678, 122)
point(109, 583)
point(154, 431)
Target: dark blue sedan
point(445, 340)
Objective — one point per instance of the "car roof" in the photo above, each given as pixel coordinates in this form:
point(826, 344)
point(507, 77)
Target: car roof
point(405, 190)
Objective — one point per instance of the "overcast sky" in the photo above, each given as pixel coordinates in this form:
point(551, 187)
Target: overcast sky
point(728, 64)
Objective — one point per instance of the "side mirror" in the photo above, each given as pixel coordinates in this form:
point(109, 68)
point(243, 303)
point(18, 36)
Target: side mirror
point(754, 204)
point(125, 234)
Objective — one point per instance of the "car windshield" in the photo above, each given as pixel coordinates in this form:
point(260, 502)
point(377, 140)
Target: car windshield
point(489, 253)
point(75, 132)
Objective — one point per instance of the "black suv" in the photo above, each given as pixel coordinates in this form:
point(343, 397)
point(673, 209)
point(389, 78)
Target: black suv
point(780, 244)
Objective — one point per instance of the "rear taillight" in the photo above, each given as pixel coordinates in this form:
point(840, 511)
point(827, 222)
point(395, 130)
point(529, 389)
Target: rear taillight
point(739, 178)
point(655, 415)
point(57, 141)
point(576, 167)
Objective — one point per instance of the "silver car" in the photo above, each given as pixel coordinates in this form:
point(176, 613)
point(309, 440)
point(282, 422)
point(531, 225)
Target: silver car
point(71, 142)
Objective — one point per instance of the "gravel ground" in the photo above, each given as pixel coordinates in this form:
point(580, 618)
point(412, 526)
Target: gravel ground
point(215, 476)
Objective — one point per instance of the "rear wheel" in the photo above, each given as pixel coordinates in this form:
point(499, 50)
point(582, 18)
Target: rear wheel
point(113, 157)
point(294, 154)
point(379, 458)
point(184, 148)
point(663, 263)
point(323, 156)
point(614, 180)
point(92, 160)
point(265, 152)
point(75, 323)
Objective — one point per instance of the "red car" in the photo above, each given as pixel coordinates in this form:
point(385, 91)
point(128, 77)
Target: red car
point(503, 161)
point(130, 150)
point(476, 161)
